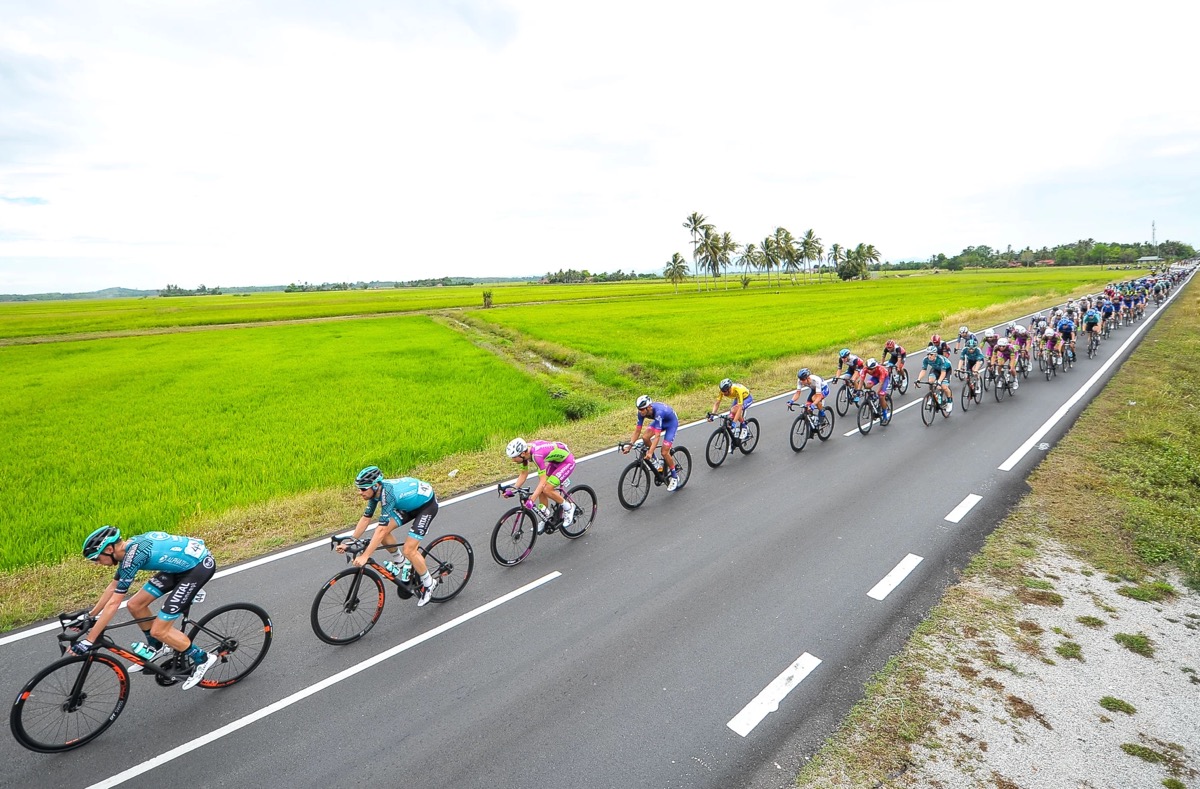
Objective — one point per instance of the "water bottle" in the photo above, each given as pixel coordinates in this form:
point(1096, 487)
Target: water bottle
point(658, 464)
point(405, 571)
point(142, 650)
point(392, 568)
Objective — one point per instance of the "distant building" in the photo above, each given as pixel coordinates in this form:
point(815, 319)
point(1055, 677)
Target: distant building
point(1150, 259)
point(1046, 262)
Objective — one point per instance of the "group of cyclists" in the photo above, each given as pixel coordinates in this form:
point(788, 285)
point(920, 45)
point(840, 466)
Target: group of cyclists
point(182, 565)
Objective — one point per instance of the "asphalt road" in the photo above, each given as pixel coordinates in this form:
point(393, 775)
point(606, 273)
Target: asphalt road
point(713, 638)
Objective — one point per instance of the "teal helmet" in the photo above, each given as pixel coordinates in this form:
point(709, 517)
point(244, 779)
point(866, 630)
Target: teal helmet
point(100, 539)
point(368, 477)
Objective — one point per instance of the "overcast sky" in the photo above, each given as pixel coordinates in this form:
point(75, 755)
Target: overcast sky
point(249, 143)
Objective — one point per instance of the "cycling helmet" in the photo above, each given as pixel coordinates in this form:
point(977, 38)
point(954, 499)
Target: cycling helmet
point(931, 350)
point(989, 334)
point(368, 477)
point(100, 539)
point(890, 345)
point(1058, 313)
point(1012, 325)
point(972, 343)
point(843, 353)
point(643, 402)
point(963, 331)
point(1021, 329)
point(804, 373)
point(516, 448)
point(936, 339)
point(872, 364)
point(1049, 333)
point(725, 385)
point(1003, 343)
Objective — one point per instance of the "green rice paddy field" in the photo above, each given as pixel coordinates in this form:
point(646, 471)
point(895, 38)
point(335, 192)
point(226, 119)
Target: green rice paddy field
point(143, 432)
point(149, 431)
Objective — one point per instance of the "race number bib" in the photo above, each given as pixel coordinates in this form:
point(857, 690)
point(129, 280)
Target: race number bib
point(195, 548)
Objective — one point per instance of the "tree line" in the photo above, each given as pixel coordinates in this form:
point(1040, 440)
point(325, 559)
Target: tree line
point(175, 290)
point(715, 253)
point(573, 276)
point(1085, 252)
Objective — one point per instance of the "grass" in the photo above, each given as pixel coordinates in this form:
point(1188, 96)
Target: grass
point(1090, 621)
point(154, 432)
point(1113, 704)
point(1152, 592)
point(1131, 463)
point(1138, 643)
point(1070, 650)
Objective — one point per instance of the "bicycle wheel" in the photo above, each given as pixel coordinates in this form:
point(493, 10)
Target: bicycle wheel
point(866, 417)
point(718, 447)
point(69, 703)
point(929, 408)
point(798, 436)
point(584, 499)
point(1000, 387)
point(240, 635)
point(450, 560)
point(748, 443)
point(978, 393)
point(513, 537)
point(347, 606)
point(825, 424)
point(634, 485)
point(967, 394)
point(683, 465)
point(843, 400)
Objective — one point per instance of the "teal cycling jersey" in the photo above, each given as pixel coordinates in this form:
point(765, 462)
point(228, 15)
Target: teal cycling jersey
point(939, 363)
point(158, 551)
point(972, 355)
point(400, 498)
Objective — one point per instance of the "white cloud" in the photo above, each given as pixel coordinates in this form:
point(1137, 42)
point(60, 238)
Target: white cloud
point(251, 144)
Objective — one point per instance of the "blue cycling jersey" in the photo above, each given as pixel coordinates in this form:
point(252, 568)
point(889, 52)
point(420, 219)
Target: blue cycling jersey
point(1066, 324)
point(663, 416)
point(157, 550)
point(400, 498)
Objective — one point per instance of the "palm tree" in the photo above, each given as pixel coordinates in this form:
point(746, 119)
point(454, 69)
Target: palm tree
point(836, 256)
point(696, 223)
point(676, 270)
point(709, 253)
point(810, 249)
point(786, 250)
point(769, 250)
point(750, 258)
point(728, 247)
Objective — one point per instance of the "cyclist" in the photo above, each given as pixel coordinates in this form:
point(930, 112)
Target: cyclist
point(1066, 327)
point(663, 424)
point(939, 368)
point(990, 338)
point(737, 410)
point(553, 462)
point(895, 355)
point(1091, 322)
point(1006, 354)
point(1022, 341)
point(877, 373)
point(181, 565)
point(405, 501)
point(1107, 312)
point(1054, 344)
point(972, 356)
point(942, 346)
point(818, 390)
point(964, 334)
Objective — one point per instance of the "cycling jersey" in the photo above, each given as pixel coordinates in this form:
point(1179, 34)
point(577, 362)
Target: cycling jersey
point(853, 363)
point(1091, 317)
point(553, 459)
point(157, 550)
point(972, 356)
point(738, 393)
point(894, 356)
point(1005, 354)
point(1021, 339)
point(815, 384)
point(937, 364)
point(1065, 325)
point(662, 419)
point(401, 498)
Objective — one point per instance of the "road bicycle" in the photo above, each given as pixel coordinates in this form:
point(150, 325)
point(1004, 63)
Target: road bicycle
point(518, 529)
point(810, 424)
point(846, 394)
point(934, 403)
point(1107, 330)
point(1093, 344)
point(897, 382)
point(1004, 383)
point(725, 439)
point(972, 388)
point(870, 410)
point(1053, 360)
point(74, 700)
point(639, 476)
point(1067, 361)
point(1024, 363)
point(349, 604)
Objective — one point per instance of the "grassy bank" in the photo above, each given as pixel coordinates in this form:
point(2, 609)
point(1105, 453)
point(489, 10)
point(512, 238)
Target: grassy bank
point(1121, 491)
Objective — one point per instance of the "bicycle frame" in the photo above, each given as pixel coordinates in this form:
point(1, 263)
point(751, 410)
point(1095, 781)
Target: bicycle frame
point(105, 642)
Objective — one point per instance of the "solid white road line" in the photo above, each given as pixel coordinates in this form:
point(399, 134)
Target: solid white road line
point(768, 700)
point(895, 577)
point(300, 695)
point(1048, 425)
point(960, 512)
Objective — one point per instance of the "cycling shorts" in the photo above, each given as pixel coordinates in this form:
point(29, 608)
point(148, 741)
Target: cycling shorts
point(813, 393)
point(557, 472)
point(896, 358)
point(182, 586)
point(746, 403)
point(973, 363)
point(1089, 326)
point(881, 380)
point(668, 431)
point(1067, 334)
point(419, 519)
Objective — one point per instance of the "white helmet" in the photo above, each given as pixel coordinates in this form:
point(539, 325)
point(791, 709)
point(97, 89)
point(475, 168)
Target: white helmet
point(643, 402)
point(1049, 333)
point(989, 334)
point(963, 331)
point(1003, 343)
point(1021, 329)
point(516, 448)
point(1058, 313)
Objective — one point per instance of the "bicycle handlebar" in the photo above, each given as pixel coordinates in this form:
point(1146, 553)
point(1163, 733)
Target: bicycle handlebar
point(353, 549)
